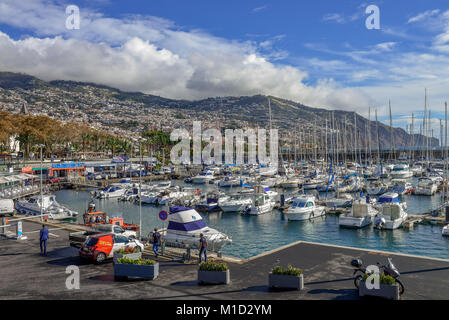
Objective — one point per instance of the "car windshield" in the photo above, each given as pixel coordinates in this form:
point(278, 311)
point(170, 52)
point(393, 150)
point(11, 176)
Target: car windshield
point(91, 242)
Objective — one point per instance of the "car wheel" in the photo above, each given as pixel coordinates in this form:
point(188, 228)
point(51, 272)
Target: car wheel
point(100, 258)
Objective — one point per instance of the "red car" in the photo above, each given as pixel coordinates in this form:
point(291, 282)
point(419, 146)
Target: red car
point(102, 246)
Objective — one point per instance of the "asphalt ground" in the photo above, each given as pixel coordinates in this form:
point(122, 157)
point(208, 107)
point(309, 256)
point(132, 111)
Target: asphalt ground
point(26, 274)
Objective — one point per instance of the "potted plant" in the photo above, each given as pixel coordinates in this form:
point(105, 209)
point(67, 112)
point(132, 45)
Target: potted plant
point(388, 287)
point(128, 252)
point(289, 278)
point(139, 268)
point(213, 273)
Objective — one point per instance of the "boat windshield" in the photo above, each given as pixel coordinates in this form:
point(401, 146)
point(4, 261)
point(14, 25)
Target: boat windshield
point(298, 204)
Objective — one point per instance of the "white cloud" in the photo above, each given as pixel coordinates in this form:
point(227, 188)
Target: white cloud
point(424, 15)
point(155, 56)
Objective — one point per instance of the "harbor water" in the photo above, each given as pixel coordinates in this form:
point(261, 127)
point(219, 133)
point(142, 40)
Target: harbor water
point(253, 235)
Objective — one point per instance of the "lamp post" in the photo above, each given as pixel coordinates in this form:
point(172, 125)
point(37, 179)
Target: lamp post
point(140, 190)
point(42, 195)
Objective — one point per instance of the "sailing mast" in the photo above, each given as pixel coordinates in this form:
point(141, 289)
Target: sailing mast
point(393, 151)
point(378, 144)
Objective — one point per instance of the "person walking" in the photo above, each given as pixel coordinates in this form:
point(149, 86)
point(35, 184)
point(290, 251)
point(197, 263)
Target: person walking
point(43, 237)
point(156, 242)
point(203, 247)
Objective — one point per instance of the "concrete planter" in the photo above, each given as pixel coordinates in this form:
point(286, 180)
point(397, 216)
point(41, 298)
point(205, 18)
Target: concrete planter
point(132, 256)
point(286, 281)
point(122, 270)
point(214, 277)
point(385, 291)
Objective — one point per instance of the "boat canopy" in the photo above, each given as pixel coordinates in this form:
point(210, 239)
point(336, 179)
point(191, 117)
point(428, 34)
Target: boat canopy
point(185, 219)
point(389, 198)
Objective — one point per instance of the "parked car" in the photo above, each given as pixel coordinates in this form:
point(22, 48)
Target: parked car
point(100, 247)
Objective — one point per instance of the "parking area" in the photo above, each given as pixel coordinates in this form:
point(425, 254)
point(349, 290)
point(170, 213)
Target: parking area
point(327, 274)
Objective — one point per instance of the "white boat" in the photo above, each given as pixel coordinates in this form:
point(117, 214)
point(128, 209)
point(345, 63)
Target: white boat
point(401, 171)
point(445, 231)
point(401, 186)
point(291, 183)
point(343, 200)
point(203, 178)
point(392, 212)
point(111, 192)
point(362, 214)
point(426, 187)
point(229, 182)
point(376, 188)
point(185, 226)
point(304, 208)
point(49, 206)
point(260, 203)
point(235, 203)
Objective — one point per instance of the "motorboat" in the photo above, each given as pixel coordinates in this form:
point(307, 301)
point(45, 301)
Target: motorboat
point(426, 186)
point(235, 203)
point(304, 208)
point(212, 202)
point(229, 182)
point(376, 188)
point(401, 171)
point(445, 231)
point(203, 178)
point(110, 192)
point(343, 200)
point(185, 226)
point(362, 214)
point(392, 212)
point(291, 183)
point(401, 186)
point(47, 204)
point(260, 203)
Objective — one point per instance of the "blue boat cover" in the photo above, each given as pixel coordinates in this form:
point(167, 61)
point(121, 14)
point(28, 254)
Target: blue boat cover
point(190, 226)
point(388, 199)
point(177, 209)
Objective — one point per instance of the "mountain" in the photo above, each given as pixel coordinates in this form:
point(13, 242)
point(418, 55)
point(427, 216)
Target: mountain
point(108, 108)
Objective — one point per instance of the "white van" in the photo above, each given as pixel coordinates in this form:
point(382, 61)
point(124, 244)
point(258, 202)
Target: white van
point(6, 207)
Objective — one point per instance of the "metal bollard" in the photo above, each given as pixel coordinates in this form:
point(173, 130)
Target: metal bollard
point(163, 248)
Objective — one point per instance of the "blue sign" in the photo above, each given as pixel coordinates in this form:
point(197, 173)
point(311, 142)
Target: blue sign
point(163, 215)
point(66, 165)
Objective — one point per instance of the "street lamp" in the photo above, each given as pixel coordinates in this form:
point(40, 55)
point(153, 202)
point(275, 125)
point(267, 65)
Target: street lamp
point(42, 195)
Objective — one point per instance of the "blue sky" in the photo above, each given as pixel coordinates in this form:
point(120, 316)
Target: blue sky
point(316, 52)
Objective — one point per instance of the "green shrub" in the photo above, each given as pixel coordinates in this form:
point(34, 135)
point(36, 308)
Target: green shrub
point(140, 261)
point(383, 279)
point(213, 266)
point(290, 271)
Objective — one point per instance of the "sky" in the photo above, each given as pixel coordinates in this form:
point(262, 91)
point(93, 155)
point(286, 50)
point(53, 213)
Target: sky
point(319, 52)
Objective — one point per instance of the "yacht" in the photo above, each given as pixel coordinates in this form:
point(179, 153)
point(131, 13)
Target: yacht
point(235, 203)
point(426, 187)
point(376, 188)
point(445, 231)
point(49, 206)
point(211, 202)
point(392, 212)
point(304, 208)
point(203, 178)
point(111, 192)
point(229, 182)
point(401, 186)
point(260, 203)
point(401, 171)
point(362, 214)
point(185, 226)
point(343, 200)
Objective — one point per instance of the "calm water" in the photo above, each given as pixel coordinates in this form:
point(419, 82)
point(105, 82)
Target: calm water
point(253, 235)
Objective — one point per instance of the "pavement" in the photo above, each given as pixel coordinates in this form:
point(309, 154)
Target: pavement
point(26, 274)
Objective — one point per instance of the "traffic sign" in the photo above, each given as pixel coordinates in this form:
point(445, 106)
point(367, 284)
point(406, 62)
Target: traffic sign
point(163, 215)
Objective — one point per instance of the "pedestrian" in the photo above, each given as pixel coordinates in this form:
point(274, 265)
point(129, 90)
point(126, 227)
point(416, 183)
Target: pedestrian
point(43, 239)
point(203, 247)
point(156, 242)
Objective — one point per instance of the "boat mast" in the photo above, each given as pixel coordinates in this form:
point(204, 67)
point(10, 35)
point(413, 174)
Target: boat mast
point(393, 151)
point(378, 144)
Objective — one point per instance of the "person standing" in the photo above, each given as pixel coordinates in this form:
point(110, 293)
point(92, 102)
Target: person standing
point(156, 242)
point(203, 247)
point(43, 239)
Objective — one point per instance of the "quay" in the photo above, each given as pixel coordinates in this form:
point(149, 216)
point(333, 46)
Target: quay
point(327, 273)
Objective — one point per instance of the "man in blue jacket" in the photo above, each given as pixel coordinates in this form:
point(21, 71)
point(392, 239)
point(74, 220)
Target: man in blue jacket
point(43, 239)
